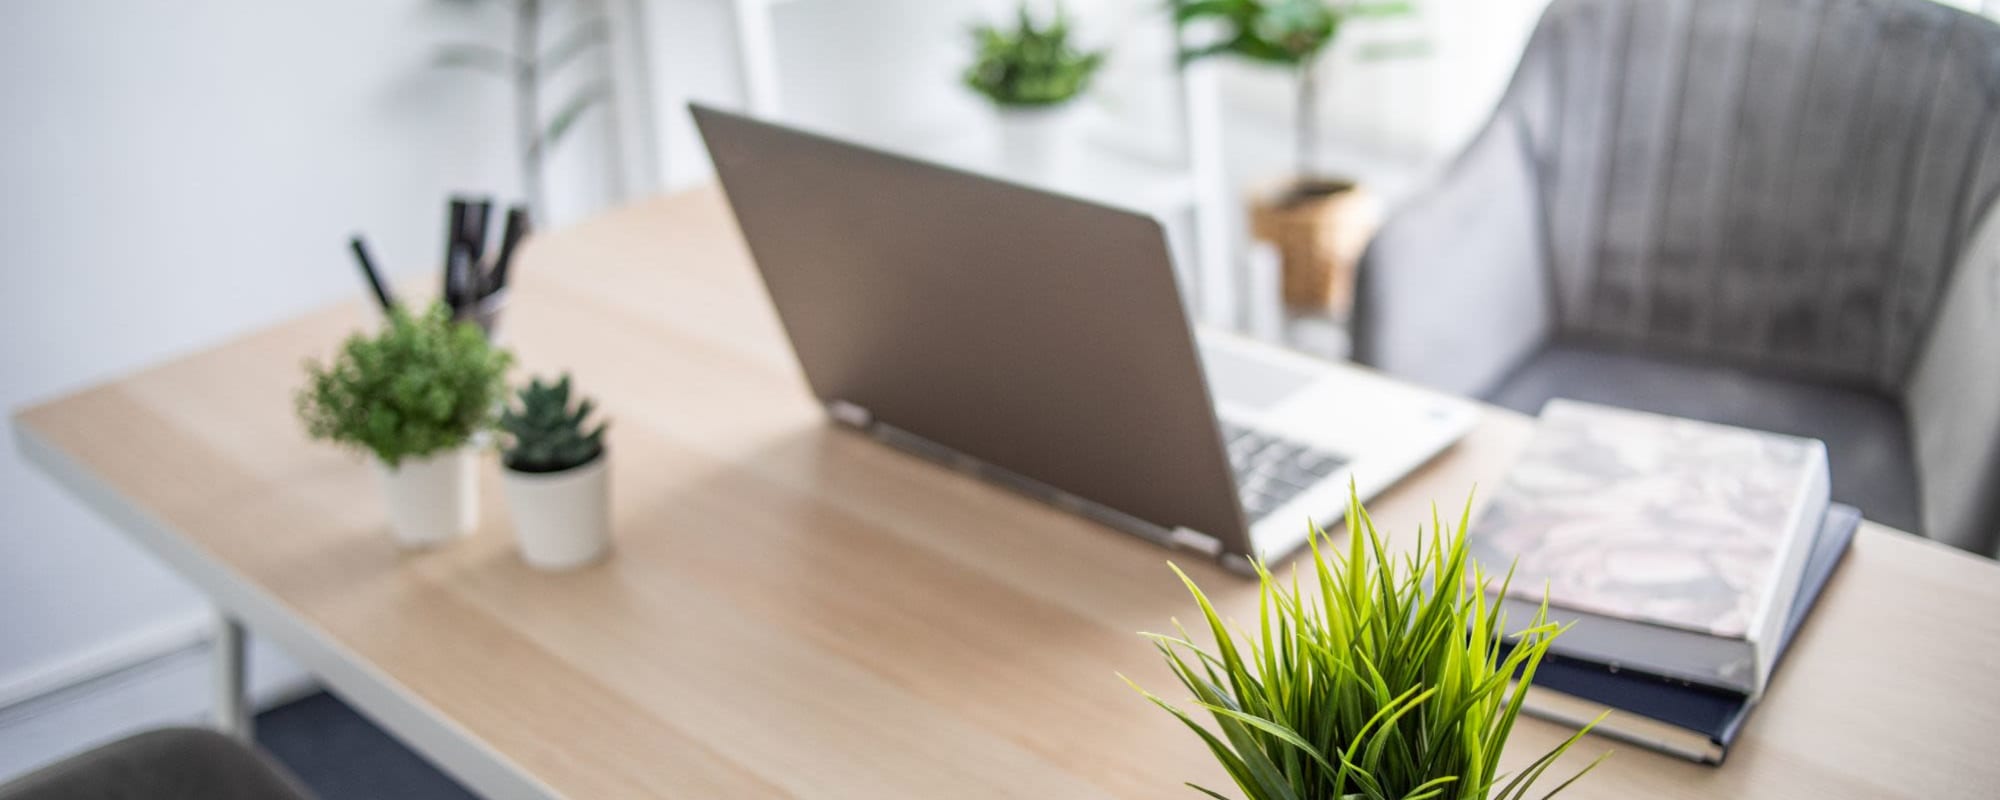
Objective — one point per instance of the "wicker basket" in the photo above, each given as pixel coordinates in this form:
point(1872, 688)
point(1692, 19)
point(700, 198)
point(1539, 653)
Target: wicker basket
point(1319, 229)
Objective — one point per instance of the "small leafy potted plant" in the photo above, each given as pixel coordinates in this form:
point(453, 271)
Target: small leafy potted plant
point(1382, 676)
point(1318, 223)
point(1032, 74)
point(556, 477)
point(414, 395)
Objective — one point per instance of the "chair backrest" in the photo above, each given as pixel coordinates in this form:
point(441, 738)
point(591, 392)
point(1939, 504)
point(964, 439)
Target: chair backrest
point(1782, 183)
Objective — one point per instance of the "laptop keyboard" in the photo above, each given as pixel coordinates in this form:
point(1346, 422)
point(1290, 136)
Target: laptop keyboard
point(1270, 471)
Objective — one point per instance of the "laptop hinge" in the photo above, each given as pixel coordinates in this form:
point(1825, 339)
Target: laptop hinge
point(847, 413)
point(1190, 539)
point(1180, 537)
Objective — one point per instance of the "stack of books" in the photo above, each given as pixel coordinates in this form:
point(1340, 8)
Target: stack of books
point(1684, 555)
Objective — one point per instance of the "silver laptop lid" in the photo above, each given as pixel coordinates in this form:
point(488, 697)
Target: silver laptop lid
point(1038, 333)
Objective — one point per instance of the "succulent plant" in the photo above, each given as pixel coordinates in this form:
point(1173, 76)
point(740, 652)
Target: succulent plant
point(548, 435)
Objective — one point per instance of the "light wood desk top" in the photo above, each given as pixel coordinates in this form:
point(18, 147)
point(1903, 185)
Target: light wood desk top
point(796, 611)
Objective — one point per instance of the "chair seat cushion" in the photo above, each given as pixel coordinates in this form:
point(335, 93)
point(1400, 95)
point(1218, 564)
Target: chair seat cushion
point(1867, 440)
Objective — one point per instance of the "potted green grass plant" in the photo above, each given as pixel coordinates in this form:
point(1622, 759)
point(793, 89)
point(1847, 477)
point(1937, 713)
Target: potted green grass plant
point(557, 477)
point(413, 395)
point(1032, 74)
point(1319, 223)
point(1376, 676)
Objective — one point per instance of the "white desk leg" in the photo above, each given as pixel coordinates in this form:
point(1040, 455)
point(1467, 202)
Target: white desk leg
point(232, 699)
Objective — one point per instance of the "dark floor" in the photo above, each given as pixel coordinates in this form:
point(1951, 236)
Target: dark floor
point(342, 756)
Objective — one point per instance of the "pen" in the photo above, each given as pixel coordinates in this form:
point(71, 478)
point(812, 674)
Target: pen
point(476, 278)
point(368, 270)
point(517, 229)
point(477, 213)
point(454, 235)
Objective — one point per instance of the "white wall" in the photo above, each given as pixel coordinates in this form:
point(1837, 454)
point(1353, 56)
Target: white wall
point(690, 44)
point(177, 173)
point(1990, 8)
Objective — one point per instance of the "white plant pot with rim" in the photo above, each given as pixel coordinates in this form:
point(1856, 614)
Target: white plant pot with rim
point(1038, 141)
point(562, 520)
point(433, 499)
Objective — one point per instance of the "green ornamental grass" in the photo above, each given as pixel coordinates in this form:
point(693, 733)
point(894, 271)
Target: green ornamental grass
point(422, 385)
point(1379, 678)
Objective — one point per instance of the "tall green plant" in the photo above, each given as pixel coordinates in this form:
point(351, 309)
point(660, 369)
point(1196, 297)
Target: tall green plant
point(530, 65)
point(1380, 678)
point(422, 385)
point(1030, 65)
point(1286, 33)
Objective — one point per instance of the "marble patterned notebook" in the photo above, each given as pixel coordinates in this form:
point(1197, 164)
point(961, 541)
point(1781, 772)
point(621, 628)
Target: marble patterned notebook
point(1675, 545)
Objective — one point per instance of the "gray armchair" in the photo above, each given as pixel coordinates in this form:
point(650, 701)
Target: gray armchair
point(1773, 213)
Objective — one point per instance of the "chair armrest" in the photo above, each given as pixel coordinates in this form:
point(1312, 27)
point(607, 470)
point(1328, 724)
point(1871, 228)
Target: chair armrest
point(1953, 402)
point(1453, 291)
point(166, 764)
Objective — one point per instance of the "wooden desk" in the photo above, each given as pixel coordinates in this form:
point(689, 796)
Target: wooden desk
point(796, 611)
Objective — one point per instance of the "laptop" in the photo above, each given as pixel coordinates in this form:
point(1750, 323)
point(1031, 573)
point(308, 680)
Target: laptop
point(1040, 342)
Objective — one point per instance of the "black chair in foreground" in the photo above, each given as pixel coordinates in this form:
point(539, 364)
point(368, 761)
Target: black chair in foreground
point(166, 764)
point(1770, 213)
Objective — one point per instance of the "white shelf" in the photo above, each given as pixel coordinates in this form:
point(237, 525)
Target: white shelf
point(1193, 191)
point(1264, 156)
point(1098, 172)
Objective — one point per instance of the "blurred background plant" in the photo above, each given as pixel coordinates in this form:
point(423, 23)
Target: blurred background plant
point(530, 66)
point(1285, 33)
point(1030, 65)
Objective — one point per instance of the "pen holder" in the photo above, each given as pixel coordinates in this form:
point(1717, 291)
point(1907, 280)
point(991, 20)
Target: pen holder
point(485, 313)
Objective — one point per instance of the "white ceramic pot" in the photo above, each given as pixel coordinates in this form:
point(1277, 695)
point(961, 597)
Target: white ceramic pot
point(1038, 141)
point(432, 500)
point(561, 519)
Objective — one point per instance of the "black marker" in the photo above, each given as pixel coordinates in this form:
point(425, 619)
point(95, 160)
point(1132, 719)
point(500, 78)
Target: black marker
point(453, 245)
point(517, 229)
point(368, 270)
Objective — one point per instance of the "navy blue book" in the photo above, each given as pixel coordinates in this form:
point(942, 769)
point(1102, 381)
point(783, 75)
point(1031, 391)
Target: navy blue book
point(1685, 719)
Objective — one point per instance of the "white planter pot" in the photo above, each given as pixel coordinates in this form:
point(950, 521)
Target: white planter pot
point(561, 519)
point(1038, 142)
point(432, 500)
